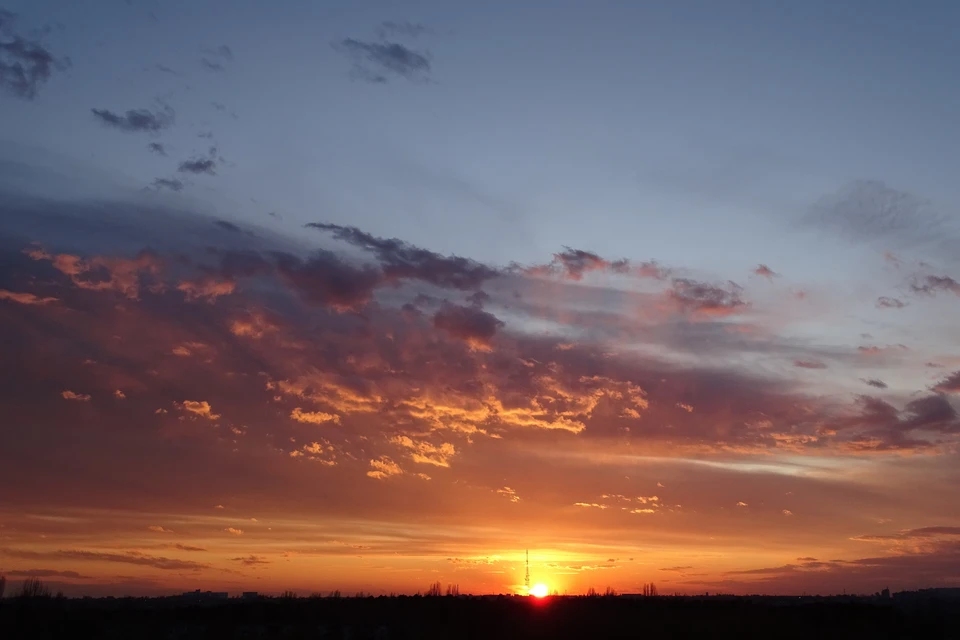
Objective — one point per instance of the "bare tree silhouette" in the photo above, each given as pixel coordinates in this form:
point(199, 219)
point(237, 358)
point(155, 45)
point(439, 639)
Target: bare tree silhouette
point(436, 589)
point(34, 588)
point(3, 584)
point(453, 590)
point(610, 592)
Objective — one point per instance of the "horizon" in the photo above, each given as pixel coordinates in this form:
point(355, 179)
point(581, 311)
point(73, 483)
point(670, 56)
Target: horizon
point(320, 296)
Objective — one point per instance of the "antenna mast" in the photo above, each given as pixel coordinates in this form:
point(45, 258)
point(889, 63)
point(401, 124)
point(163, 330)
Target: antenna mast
point(526, 581)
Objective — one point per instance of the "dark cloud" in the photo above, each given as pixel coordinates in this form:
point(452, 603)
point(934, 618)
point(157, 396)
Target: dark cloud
point(251, 560)
point(404, 28)
point(692, 296)
point(470, 324)
point(223, 51)
point(950, 384)
point(25, 64)
point(46, 573)
point(765, 271)
point(211, 65)
point(912, 534)
point(931, 285)
point(137, 120)
point(325, 279)
point(572, 264)
point(128, 557)
point(884, 427)
point(168, 183)
point(809, 364)
point(166, 69)
point(198, 166)
point(157, 148)
point(375, 61)
point(884, 302)
point(868, 210)
point(402, 261)
point(187, 547)
point(228, 226)
point(213, 59)
point(873, 382)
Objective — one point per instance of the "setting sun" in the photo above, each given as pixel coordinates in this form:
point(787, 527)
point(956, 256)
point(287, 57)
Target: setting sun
point(539, 590)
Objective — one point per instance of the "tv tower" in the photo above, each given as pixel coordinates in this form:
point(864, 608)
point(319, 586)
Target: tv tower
point(526, 581)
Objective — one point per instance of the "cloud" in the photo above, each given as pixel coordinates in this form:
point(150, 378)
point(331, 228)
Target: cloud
point(377, 61)
point(742, 504)
point(158, 529)
point(474, 326)
point(787, 512)
point(251, 560)
point(691, 296)
point(187, 547)
point(383, 468)
point(168, 183)
point(426, 453)
point(873, 382)
point(884, 302)
point(912, 534)
point(765, 272)
point(950, 384)
point(400, 260)
point(227, 226)
point(313, 417)
point(137, 120)
point(403, 28)
point(198, 408)
point(574, 263)
point(98, 273)
point(233, 531)
point(157, 148)
point(24, 298)
point(70, 395)
point(869, 210)
point(25, 64)
point(46, 573)
point(809, 364)
point(214, 58)
point(127, 557)
point(508, 493)
point(326, 279)
point(198, 166)
point(119, 395)
point(931, 285)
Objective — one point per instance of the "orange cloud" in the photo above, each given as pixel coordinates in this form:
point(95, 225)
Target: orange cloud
point(313, 417)
point(70, 395)
point(99, 273)
point(24, 298)
point(199, 408)
point(383, 468)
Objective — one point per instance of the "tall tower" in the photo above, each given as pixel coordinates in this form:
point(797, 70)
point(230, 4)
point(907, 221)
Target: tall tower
point(526, 581)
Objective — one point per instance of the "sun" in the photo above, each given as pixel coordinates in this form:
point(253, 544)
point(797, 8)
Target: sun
point(539, 590)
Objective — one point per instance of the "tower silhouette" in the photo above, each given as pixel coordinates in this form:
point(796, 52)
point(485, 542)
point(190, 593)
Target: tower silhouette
point(526, 580)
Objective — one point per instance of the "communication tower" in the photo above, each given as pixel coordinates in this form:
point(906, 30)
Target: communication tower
point(526, 580)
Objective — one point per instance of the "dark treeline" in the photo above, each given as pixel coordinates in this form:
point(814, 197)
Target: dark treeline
point(466, 617)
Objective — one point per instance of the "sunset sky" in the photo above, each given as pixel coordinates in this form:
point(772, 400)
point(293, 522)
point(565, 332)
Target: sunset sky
point(347, 295)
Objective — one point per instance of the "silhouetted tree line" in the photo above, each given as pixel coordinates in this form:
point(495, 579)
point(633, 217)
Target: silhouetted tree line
point(39, 618)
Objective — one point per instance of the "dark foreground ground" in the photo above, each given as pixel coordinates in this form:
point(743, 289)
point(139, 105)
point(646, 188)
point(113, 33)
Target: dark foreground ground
point(488, 618)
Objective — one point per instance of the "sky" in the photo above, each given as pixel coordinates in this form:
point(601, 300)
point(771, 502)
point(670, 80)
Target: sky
point(365, 296)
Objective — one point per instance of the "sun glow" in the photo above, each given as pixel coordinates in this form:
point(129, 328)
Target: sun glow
point(539, 590)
